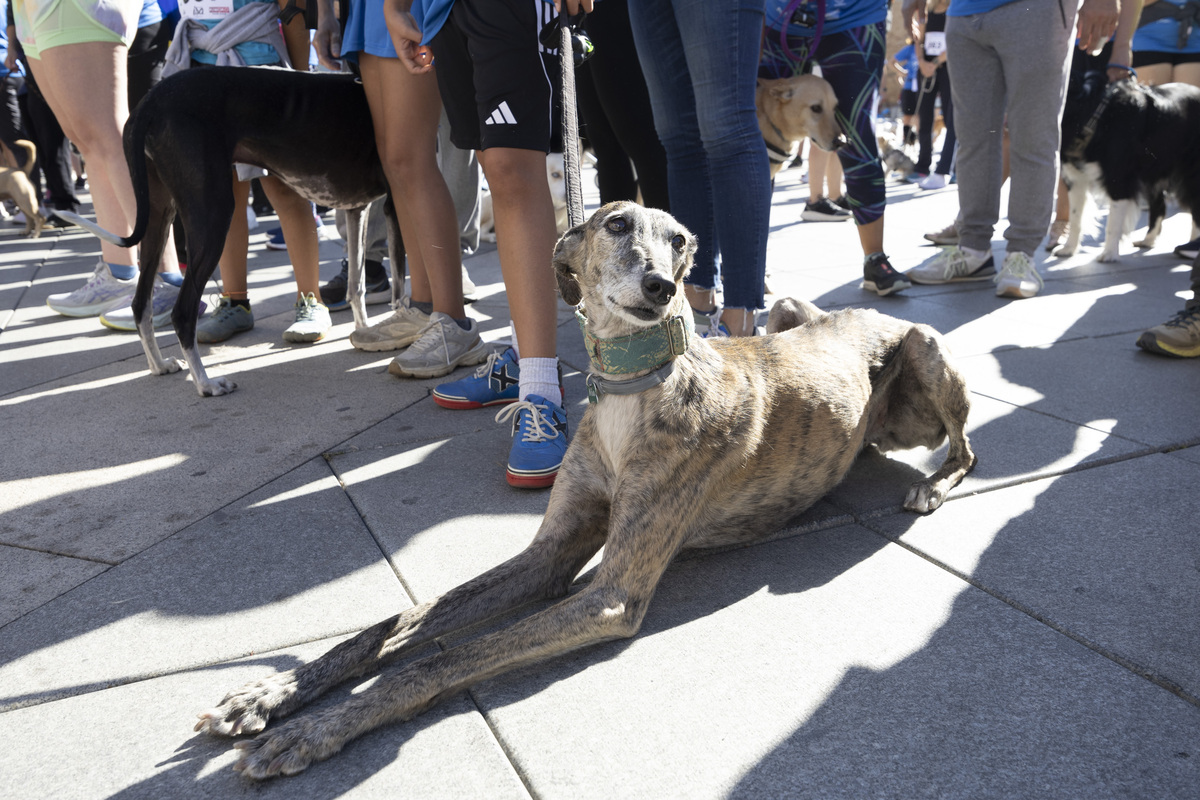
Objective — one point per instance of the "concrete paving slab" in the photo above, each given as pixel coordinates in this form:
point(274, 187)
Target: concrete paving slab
point(1000, 434)
point(288, 563)
point(1104, 383)
point(29, 579)
point(829, 665)
point(1096, 553)
point(136, 741)
point(1191, 454)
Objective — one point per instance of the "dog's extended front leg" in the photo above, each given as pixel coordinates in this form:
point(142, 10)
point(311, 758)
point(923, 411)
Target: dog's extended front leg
point(1122, 215)
point(611, 607)
point(545, 569)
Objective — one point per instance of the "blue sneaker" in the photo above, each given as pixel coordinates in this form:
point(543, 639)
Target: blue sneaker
point(539, 442)
point(494, 383)
point(275, 239)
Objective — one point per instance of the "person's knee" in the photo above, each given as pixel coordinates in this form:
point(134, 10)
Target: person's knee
point(516, 174)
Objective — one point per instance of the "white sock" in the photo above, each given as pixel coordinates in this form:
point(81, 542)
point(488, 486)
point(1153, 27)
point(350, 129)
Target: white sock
point(979, 256)
point(540, 376)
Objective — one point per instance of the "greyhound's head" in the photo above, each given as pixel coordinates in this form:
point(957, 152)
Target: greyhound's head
point(625, 264)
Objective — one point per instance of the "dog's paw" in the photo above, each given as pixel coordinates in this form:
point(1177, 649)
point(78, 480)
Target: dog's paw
point(215, 387)
point(169, 366)
point(288, 749)
point(1145, 244)
point(247, 710)
point(1108, 255)
point(1065, 251)
point(923, 497)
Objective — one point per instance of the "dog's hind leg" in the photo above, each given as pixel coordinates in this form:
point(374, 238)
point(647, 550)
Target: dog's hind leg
point(1158, 210)
point(571, 533)
point(356, 241)
point(788, 313)
point(612, 606)
point(162, 213)
point(943, 396)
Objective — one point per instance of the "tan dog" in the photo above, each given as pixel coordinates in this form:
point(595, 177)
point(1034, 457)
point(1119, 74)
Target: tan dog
point(15, 183)
point(791, 109)
point(691, 443)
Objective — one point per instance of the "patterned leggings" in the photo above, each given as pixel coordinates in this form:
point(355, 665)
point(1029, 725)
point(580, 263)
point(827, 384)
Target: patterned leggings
point(852, 61)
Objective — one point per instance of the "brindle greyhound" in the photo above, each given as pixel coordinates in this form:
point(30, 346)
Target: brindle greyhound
point(690, 443)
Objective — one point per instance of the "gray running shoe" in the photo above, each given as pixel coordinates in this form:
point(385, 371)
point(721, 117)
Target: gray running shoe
point(1179, 336)
point(399, 330)
point(1018, 277)
point(226, 320)
point(953, 265)
point(101, 292)
point(440, 348)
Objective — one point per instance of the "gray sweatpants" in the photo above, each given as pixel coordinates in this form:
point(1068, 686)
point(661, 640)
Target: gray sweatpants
point(1010, 63)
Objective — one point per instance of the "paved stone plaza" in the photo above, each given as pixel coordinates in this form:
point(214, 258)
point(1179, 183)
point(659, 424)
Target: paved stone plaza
point(1038, 636)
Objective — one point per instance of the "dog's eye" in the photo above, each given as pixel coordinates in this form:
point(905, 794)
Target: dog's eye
point(677, 241)
point(816, 108)
point(617, 225)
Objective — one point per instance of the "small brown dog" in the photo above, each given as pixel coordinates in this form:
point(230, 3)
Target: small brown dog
point(688, 443)
point(15, 184)
point(792, 109)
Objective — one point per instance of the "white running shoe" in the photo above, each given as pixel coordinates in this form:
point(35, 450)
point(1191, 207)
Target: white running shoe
point(953, 265)
point(399, 330)
point(1018, 277)
point(312, 321)
point(101, 292)
point(162, 302)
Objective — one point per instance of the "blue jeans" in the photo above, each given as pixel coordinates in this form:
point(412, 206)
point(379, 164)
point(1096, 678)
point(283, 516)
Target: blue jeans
point(700, 59)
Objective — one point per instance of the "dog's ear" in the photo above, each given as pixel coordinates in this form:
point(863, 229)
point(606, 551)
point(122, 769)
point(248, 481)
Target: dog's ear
point(782, 92)
point(566, 254)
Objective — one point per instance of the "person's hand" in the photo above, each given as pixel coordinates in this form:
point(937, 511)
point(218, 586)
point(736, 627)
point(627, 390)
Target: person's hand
point(328, 38)
point(10, 60)
point(406, 37)
point(928, 68)
point(1121, 59)
point(573, 6)
point(914, 18)
point(1097, 21)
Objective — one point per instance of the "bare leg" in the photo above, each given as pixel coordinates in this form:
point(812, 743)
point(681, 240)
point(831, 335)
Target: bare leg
point(299, 232)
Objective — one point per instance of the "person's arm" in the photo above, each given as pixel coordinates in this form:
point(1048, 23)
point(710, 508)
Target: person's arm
point(914, 18)
point(10, 59)
point(328, 40)
point(1121, 61)
point(295, 37)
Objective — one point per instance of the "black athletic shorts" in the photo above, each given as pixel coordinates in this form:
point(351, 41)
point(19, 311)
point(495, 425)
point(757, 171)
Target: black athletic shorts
point(1145, 57)
point(491, 75)
point(908, 101)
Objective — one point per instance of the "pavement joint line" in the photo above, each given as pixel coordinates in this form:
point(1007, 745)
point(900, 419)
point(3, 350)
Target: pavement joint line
point(504, 747)
point(1128, 664)
point(59, 554)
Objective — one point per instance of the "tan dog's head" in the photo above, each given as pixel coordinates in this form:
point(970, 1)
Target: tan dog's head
point(799, 107)
point(625, 263)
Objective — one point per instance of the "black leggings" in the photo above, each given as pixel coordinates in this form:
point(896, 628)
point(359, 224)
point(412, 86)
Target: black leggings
point(147, 53)
point(940, 88)
point(614, 105)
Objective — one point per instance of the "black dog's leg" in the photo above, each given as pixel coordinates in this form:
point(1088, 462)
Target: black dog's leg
point(1158, 210)
point(396, 251)
point(162, 214)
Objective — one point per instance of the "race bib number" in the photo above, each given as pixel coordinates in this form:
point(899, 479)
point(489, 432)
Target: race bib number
point(935, 43)
point(205, 9)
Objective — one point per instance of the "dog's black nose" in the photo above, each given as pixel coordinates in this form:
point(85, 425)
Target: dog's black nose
point(658, 289)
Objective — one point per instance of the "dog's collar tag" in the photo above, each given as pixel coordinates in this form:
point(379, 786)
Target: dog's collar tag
point(649, 349)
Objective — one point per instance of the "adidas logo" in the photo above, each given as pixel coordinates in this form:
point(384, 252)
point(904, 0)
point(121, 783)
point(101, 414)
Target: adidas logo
point(502, 115)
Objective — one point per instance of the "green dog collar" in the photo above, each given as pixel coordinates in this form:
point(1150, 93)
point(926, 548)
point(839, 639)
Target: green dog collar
point(647, 349)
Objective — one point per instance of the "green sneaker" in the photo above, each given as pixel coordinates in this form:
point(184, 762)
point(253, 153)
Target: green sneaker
point(312, 321)
point(226, 320)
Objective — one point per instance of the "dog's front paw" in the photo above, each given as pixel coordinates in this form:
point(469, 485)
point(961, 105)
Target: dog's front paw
point(288, 749)
point(1108, 255)
point(169, 366)
point(1145, 244)
point(215, 387)
point(1065, 251)
point(923, 497)
point(247, 710)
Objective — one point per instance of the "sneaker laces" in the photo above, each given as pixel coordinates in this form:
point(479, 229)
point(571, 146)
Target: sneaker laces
point(222, 307)
point(541, 422)
point(433, 335)
point(306, 309)
point(716, 329)
point(956, 263)
point(1185, 318)
point(486, 368)
point(1020, 266)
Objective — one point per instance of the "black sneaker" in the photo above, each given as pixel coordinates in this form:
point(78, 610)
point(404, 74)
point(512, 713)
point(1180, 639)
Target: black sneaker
point(842, 202)
point(823, 211)
point(880, 277)
point(379, 287)
point(1189, 250)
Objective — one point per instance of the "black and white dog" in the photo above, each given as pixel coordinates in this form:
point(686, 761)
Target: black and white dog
point(1130, 142)
point(313, 131)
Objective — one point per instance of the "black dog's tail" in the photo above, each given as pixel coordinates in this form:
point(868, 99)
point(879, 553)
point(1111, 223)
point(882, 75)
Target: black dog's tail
point(135, 155)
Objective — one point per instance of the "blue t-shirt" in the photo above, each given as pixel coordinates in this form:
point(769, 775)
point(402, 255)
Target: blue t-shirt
point(840, 15)
point(967, 8)
point(1163, 35)
point(430, 15)
point(253, 53)
point(151, 13)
